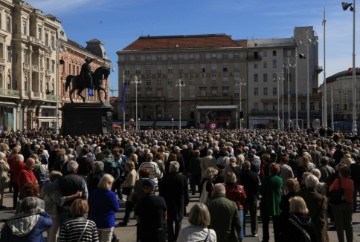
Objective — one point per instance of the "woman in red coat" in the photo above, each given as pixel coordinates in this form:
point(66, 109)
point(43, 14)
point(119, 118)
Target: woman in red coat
point(237, 194)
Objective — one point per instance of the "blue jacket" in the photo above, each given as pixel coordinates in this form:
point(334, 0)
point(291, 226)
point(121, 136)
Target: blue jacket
point(103, 205)
point(26, 227)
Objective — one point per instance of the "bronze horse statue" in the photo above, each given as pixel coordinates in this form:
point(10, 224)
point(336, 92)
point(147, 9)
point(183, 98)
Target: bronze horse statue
point(98, 76)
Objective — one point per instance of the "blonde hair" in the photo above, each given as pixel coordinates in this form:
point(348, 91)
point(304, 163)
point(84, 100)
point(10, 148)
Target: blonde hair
point(298, 205)
point(210, 172)
point(106, 181)
point(199, 215)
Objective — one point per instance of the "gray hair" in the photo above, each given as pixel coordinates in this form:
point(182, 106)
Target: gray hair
point(209, 152)
point(219, 188)
point(230, 178)
point(311, 181)
point(316, 172)
point(29, 205)
point(98, 165)
point(174, 166)
point(20, 158)
point(2, 155)
point(72, 166)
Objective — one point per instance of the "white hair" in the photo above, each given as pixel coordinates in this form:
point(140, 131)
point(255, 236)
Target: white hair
point(311, 181)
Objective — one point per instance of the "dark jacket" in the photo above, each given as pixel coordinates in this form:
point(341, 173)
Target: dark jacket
point(299, 228)
point(174, 189)
point(271, 195)
point(224, 218)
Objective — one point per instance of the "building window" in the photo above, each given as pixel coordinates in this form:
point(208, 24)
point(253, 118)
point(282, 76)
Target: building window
point(158, 71)
point(274, 64)
point(213, 55)
point(26, 57)
point(302, 106)
point(181, 70)
point(274, 91)
point(8, 24)
point(265, 91)
point(24, 30)
point(148, 92)
point(236, 68)
point(158, 82)
point(181, 57)
point(266, 106)
point(191, 56)
point(203, 91)
point(274, 52)
point(312, 106)
point(170, 70)
point(225, 91)
point(148, 82)
point(256, 78)
point(265, 77)
point(274, 106)
point(213, 82)
point(225, 82)
point(148, 57)
point(9, 53)
point(255, 65)
point(137, 71)
point(169, 83)
point(265, 65)
point(214, 91)
point(225, 56)
point(53, 66)
point(256, 106)
point(40, 33)
point(236, 56)
point(225, 69)
point(264, 53)
point(256, 91)
point(148, 70)
point(274, 77)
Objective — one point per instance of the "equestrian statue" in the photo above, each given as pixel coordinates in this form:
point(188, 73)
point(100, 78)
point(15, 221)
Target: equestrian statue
point(88, 80)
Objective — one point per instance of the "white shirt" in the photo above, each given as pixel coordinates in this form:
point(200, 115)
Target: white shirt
point(196, 234)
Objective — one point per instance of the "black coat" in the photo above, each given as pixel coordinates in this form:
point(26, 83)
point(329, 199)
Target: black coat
point(174, 189)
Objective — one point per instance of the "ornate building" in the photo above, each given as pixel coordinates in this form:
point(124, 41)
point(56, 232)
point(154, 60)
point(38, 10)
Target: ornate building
point(31, 45)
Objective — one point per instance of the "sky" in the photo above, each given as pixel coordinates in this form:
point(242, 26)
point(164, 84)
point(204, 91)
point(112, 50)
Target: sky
point(117, 23)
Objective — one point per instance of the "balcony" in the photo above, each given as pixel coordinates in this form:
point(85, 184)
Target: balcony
point(9, 93)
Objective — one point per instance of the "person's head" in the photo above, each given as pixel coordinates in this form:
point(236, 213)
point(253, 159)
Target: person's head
point(298, 206)
point(291, 185)
point(230, 178)
point(29, 205)
point(20, 158)
point(30, 163)
point(233, 160)
point(210, 173)
point(144, 172)
point(149, 157)
point(2, 156)
point(30, 190)
point(218, 189)
point(54, 175)
point(106, 182)
point(98, 166)
point(130, 165)
point(199, 215)
point(79, 207)
point(311, 182)
point(209, 152)
point(324, 160)
point(246, 165)
point(174, 167)
point(344, 171)
point(316, 172)
point(197, 153)
point(274, 168)
point(72, 166)
point(149, 186)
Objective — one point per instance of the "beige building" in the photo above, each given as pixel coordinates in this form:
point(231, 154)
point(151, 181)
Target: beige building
point(204, 80)
point(31, 47)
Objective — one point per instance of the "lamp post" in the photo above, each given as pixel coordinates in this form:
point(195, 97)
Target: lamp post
point(136, 81)
point(352, 7)
point(325, 116)
point(282, 99)
point(139, 123)
point(289, 65)
point(240, 107)
point(172, 123)
point(332, 108)
point(180, 84)
point(58, 62)
point(278, 102)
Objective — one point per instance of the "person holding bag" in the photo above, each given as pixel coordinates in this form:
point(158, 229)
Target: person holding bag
point(343, 211)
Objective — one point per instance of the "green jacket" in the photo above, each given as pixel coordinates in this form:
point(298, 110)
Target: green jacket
point(224, 218)
point(271, 195)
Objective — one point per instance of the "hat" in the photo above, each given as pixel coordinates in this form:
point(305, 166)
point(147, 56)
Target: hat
point(149, 183)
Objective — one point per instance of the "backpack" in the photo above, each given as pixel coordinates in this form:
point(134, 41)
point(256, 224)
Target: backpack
point(110, 167)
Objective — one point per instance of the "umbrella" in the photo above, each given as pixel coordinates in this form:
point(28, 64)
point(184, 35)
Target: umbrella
point(116, 126)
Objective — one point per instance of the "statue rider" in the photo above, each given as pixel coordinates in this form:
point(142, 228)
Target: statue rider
point(85, 72)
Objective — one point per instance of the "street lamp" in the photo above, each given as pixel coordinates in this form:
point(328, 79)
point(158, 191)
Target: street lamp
point(278, 101)
point(345, 6)
point(325, 107)
point(136, 82)
point(240, 107)
point(139, 123)
point(58, 62)
point(289, 65)
point(180, 84)
point(172, 123)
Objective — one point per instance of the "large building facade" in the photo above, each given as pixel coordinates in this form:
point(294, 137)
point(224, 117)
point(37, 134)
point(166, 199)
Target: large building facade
point(31, 47)
point(215, 81)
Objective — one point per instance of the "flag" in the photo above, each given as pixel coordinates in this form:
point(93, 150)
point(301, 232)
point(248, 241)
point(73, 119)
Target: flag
point(123, 96)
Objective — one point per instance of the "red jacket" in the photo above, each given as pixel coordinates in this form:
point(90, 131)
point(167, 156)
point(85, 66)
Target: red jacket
point(15, 168)
point(236, 193)
point(26, 176)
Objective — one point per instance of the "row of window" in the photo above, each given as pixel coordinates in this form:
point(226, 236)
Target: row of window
point(275, 77)
point(214, 68)
point(274, 106)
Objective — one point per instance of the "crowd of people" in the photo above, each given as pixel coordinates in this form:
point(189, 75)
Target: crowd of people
point(303, 181)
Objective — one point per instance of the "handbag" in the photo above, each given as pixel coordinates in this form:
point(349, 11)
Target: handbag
point(337, 196)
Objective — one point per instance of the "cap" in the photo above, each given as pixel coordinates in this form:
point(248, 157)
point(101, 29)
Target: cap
point(149, 183)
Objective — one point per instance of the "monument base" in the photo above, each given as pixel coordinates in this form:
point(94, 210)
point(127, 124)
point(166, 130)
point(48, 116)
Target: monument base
point(86, 118)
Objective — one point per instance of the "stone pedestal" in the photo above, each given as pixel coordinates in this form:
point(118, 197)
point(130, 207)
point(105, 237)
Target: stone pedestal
point(86, 118)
